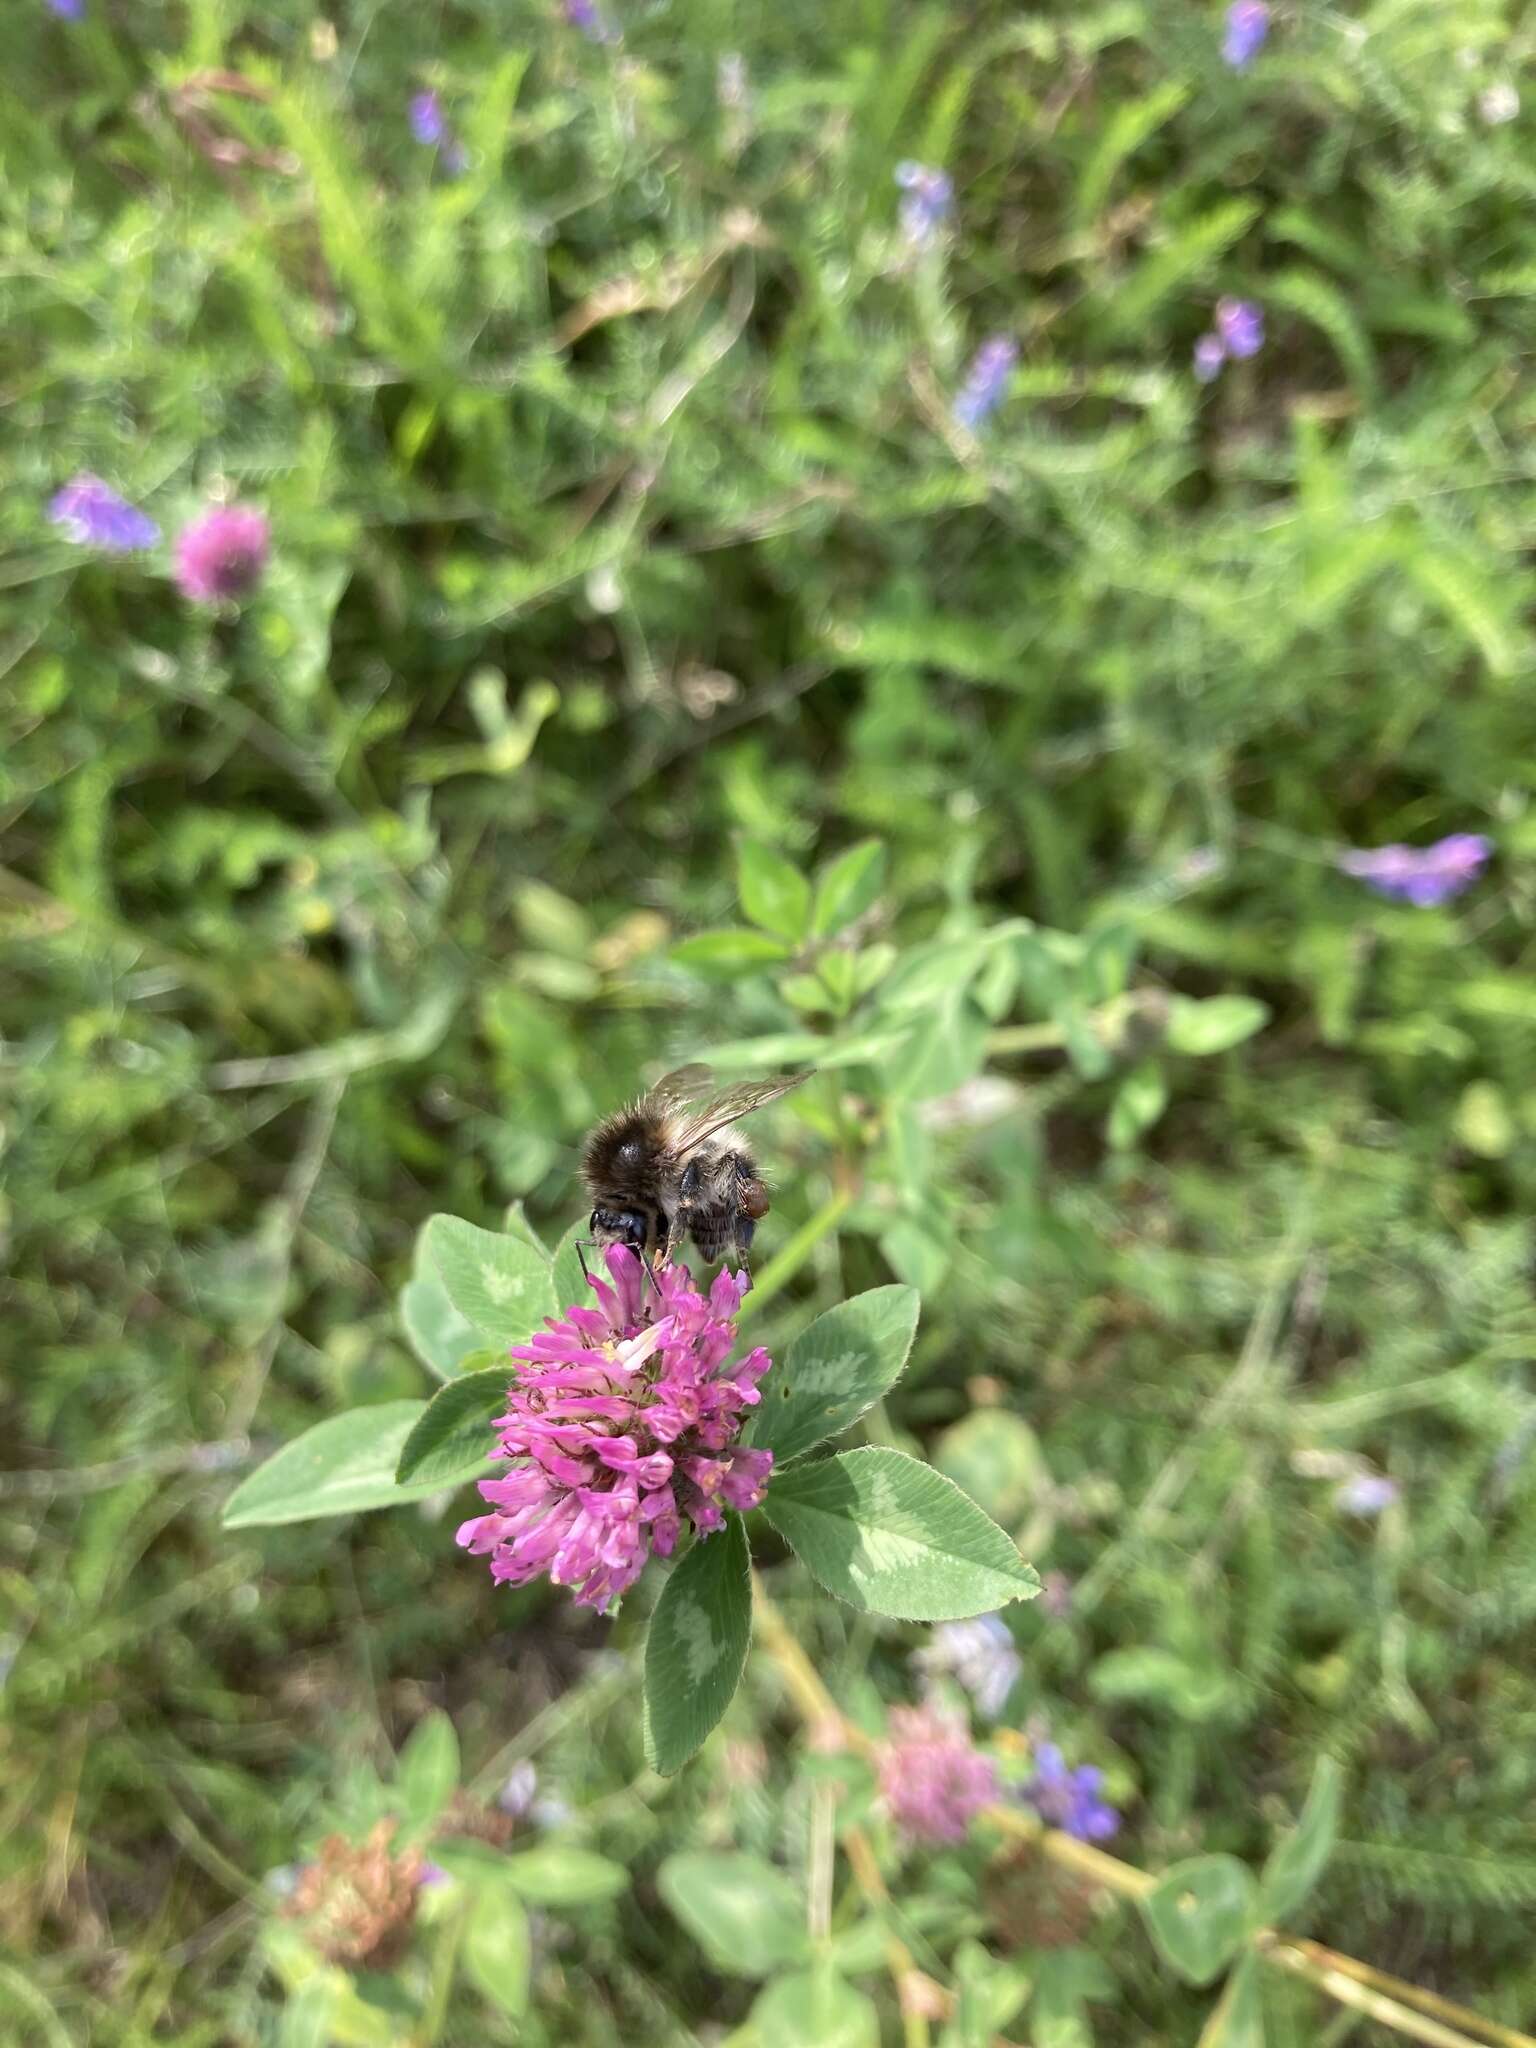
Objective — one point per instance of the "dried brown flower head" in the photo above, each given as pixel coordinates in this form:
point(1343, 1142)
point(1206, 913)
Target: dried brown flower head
point(358, 1899)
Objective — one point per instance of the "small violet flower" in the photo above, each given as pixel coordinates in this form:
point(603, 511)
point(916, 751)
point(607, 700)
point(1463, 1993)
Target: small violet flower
point(1247, 28)
point(221, 553)
point(586, 16)
point(1210, 354)
point(986, 382)
point(1423, 876)
point(928, 196)
point(1240, 324)
point(1366, 1494)
point(932, 1779)
point(625, 1426)
point(429, 126)
point(520, 1790)
point(980, 1654)
point(428, 123)
point(91, 514)
point(1069, 1800)
point(67, 10)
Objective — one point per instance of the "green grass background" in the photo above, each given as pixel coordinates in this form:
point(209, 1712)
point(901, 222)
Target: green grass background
point(617, 518)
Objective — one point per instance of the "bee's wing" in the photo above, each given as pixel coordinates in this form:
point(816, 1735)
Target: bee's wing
point(725, 1108)
point(682, 1085)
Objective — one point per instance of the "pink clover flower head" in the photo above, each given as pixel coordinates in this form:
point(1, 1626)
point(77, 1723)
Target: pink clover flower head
point(1247, 29)
point(932, 1778)
point(928, 194)
point(221, 553)
point(1069, 1799)
point(1423, 876)
point(624, 1426)
point(1240, 326)
point(91, 514)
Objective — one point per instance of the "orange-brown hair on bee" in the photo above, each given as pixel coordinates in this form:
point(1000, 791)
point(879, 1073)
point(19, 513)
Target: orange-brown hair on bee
point(660, 1170)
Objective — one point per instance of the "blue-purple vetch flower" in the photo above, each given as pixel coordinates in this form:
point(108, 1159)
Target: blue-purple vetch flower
point(1424, 876)
point(986, 381)
point(428, 122)
point(1240, 323)
point(67, 10)
point(1209, 357)
point(1247, 27)
point(1367, 1494)
point(979, 1653)
point(90, 513)
point(588, 17)
point(1069, 1799)
point(927, 196)
point(1239, 332)
point(429, 126)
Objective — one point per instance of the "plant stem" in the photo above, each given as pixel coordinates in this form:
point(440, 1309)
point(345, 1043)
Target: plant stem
point(1438, 2022)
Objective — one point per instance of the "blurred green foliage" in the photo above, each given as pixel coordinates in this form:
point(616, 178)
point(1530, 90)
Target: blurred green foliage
point(629, 573)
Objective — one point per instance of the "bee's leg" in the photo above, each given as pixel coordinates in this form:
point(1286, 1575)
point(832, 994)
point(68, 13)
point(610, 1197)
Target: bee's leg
point(583, 1244)
point(745, 1231)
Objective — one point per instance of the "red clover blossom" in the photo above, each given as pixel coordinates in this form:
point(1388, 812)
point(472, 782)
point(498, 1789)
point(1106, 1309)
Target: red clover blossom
point(932, 1778)
point(624, 1426)
point(221, 553)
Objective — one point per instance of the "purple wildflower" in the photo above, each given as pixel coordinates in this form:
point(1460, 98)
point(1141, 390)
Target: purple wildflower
point(221, 553)
point(1240, 323)
point(428, 122)
point(1247, 28)
point(1069, 1800)
point(986, 382)
point(925, 208)
point(980, 1654)
point(1210, 354)
point(1366, 1494)
point(1424, 876)
point(585, 15)
point(521, 1789)
point(932, 1778)
point(91, 514)
point(626, 1426)
point(67, 10)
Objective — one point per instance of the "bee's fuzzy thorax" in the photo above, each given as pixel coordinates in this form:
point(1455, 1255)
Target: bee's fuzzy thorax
point(609, 1165)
